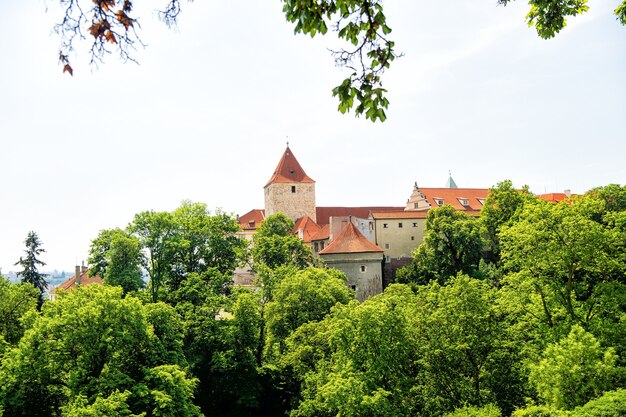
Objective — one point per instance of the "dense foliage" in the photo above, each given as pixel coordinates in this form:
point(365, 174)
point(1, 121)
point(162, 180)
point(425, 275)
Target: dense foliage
point(520, 312)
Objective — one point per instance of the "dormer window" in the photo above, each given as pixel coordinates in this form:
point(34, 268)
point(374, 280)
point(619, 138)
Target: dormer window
point(439, 201)
point(251, 224)
point(464, 202)
point(481, 201)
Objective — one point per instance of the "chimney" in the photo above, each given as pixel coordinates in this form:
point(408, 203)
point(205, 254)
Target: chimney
point(77, 276)
point(83, 268)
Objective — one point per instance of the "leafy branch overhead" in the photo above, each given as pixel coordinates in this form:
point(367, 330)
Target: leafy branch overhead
point(361, 24)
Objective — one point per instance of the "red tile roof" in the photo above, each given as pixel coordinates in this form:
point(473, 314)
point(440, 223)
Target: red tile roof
point(453, 197)
point(400, 215)
point(555, 197)
point(252, 219)
point(85, 279)
point(288, 170)
point(324, 214)
point(308, 227)
point(323, 233)
point(350, 240)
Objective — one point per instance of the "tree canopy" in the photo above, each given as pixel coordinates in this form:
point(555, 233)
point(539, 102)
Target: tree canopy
point(546, 337)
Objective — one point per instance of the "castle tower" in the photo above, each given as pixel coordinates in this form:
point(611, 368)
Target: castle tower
point(290, 191)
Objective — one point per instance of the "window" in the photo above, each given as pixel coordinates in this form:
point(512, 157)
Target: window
point(439, 201)
point(321, 245)
point(414, 224)
point(481, 201)
point(464, 202)
point(386, 245)
point(363, 268)
point(415, 205)
point(353, 287)
point(399, 225)
point(385, 225)
point(412, 237)
point(317, 247)
point(293, 188)
point(387, 259)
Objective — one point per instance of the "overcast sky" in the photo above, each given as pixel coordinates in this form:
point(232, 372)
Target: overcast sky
point(206, 114)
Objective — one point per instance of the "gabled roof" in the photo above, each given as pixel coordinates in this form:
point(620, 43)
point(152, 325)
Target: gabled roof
point(252, 219)
point(306, 228)
point(289, 170)
point(350, 240)
point(323, 233)
point(85, 279)
point(555, 197)
point(455, 198)
point(323, 214)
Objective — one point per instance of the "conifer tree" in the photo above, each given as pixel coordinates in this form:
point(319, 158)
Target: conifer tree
point(30, 262)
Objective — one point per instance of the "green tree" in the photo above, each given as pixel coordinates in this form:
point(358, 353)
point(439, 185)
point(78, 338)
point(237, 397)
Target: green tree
point(610, 404)
point(306, 296)
point(157, 232)
point(116, 256)
point(573, 371)
point(186, 241)
point(501, 209)
point(275, 245)
point(487, 411)
point(406, 353)
point(15, 301)
point(562, 262)
point(360, 23)
point(30, 263)
point(206, 241)
point(452, 244)
point(91, 344)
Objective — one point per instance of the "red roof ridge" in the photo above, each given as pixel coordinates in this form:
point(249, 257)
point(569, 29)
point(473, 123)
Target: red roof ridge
point(350, 240)
point(85, 279)
point(289, 170)
point(308, 227)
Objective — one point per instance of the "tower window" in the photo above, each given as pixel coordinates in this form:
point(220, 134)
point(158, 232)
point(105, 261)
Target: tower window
point(400, 225)
point(293, 188)
point(385, 225)
point(362, 268)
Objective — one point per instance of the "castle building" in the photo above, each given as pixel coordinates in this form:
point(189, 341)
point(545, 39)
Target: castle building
point(368, 243)
point(290, 191)
point(358, 258)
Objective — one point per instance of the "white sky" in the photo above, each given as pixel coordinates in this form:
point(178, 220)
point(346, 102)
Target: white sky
point(206, 115)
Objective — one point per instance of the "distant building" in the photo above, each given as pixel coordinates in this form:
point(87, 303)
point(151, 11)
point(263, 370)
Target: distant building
point(360, 259)
point(395, 231)
point(81, 277)
point(290, 191)
point(556, 197)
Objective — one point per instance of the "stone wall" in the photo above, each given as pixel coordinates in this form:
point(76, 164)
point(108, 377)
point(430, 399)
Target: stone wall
point(282, 197)
point(363, 270)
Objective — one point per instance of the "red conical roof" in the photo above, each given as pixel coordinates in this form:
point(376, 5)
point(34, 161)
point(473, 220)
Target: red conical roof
point(289, 170)
point(350, 240)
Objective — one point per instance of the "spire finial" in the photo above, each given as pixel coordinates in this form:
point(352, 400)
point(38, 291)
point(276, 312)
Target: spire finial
point(287, 141)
